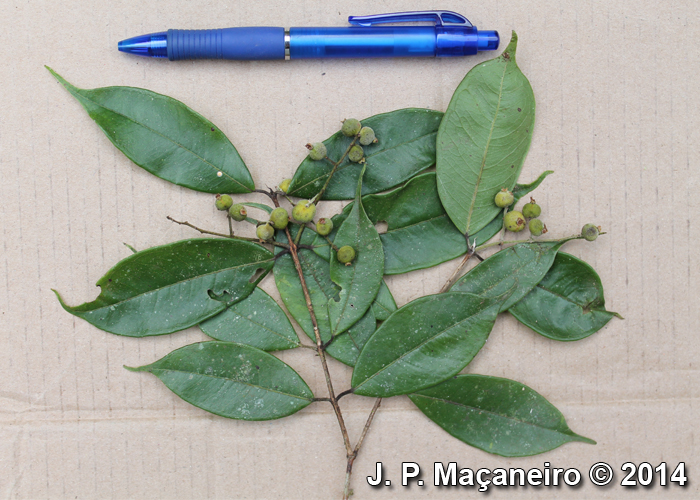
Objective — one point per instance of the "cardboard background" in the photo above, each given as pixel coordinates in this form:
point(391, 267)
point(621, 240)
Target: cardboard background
point(617, 104)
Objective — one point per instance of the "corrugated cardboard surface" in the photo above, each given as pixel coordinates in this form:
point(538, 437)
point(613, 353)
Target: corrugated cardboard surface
point(617, 105)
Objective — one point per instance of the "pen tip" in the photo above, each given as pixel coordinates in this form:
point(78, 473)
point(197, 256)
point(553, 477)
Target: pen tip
point(153, 45)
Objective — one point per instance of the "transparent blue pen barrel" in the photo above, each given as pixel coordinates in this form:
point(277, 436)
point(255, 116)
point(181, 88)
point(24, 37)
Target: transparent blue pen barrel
point(397, 41)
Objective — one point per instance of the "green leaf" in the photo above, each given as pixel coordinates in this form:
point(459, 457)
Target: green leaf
point(419, 232)
point(346, 347)
point(257, 321)
point(568, 303)
point(165, 137)
point(518, 268)
point(260, 206)
point(384, 303)
point(423, 343)
point(317, 275)
point(172, 287)
point(496, 415)
point(406, 146)
point(483, 139)
point(232, 380)
point(361, 279)
point(521, 190)
point(321, 290)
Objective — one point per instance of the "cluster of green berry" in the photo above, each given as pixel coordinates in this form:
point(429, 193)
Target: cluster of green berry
point(305, 210)
point(514, 220)
point(351, 128)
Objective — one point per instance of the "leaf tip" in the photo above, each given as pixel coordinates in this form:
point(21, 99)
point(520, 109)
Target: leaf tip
point(60, 300)
point(509, 53)
point(583, 439)
point(136, 368)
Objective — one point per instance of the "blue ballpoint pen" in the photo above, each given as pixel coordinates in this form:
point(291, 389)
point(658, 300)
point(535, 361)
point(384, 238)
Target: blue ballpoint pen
point(450, 35)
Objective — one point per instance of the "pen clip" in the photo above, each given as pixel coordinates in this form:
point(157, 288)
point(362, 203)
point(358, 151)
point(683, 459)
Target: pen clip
point(438, 17)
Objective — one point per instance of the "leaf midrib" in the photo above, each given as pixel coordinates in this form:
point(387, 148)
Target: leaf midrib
point(341, 313)
point(229, 380)
point(437, 334)
point(346, 163)
point(486, 150)
point(176, 283)
point(474, 408)
point(233, 311)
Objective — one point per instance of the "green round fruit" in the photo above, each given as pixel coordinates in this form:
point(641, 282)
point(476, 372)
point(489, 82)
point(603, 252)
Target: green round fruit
point(238, 212)
point(324, 226)
point(317, 151)
point(590, 232)
point(284, 185)
point(279, 218)
point(223, 201)
point(303, 213)
point(351, 127)
point(265, 232)
point(514, 221)
point(346, 255)
point(504, 198)
point(531, 210)
point(367, 136)
point(536, 227)
point(356, 153)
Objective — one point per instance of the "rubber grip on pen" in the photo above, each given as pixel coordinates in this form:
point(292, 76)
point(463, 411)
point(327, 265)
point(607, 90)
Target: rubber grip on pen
point(257, 43)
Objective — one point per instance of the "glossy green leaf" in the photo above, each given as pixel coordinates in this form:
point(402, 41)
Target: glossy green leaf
point(360, 280)
point(423, 343)
point(483, 139)
point(321, 290)
point(346, 347)
point(496, 415)
point(518, 268)
point(257, 321)
point(568, 303)
point(172, 287)
point(232, 380)
point(406, 146)
point(165, 137)
point(317, 275)
point(419, 232)
point(384, 303)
